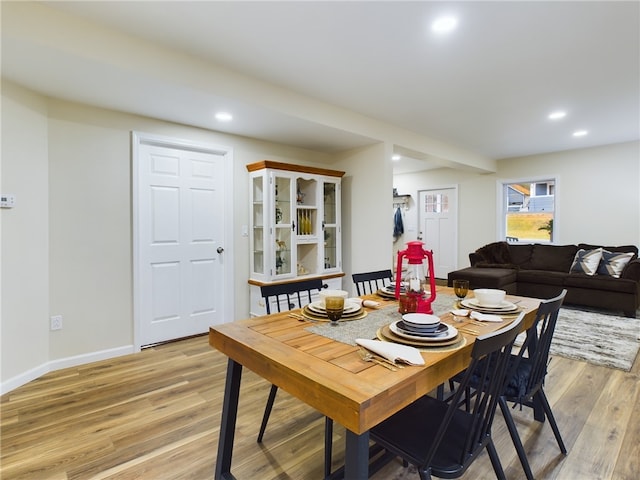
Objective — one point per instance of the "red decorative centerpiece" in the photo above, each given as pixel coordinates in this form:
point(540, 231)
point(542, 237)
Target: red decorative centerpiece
point(416, 278)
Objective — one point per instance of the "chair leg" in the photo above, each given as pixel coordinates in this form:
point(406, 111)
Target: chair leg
point(424, 474)
point(267, 411)
point(495, 461)
point(515, 437)
point(328, 446)
point(552, 420)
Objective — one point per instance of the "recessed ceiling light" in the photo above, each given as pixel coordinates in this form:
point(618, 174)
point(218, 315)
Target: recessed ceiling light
point(580, 133)
point(444, 24)
point(223, 116)
point(557, 115)
point(395, 158)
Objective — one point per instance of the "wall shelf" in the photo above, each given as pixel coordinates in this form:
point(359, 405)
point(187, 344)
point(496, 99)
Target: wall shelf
point(401, 201)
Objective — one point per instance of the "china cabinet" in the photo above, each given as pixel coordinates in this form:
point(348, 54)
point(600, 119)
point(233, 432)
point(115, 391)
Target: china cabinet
point(295, 230)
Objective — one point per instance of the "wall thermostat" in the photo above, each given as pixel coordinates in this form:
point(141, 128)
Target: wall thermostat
point(7, 201)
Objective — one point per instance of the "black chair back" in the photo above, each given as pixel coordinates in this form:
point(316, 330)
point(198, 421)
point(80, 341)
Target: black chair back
point(290, 295)
point(537, 346)
point(437, 436)
point(371, 282)
point(490, 357)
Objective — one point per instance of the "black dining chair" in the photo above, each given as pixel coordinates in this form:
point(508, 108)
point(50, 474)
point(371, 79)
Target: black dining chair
point(526, 376)
point(371, 282)
point(438, 437)
point(287, 296)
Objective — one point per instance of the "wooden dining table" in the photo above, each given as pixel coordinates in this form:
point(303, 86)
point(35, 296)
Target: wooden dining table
point(332, 377)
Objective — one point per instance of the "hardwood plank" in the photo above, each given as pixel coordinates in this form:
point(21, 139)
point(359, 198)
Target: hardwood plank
point(156, 415)
point(607, 419)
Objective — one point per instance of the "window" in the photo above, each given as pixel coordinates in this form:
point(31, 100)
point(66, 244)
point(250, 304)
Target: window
point(436, 203)
point(528, 210)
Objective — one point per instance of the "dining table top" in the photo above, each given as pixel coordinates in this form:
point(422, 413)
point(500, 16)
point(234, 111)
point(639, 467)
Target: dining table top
point(332, 377)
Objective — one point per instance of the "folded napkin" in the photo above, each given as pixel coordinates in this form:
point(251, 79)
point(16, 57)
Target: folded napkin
point(485, 317)
point(364, 303)
point(392, 351)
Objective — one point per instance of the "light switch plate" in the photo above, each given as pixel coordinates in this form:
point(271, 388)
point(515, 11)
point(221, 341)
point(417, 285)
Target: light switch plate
point(8, 200)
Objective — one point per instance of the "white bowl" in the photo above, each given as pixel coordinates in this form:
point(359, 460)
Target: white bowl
point(421, 319)
point(332, 293)
point(489, 297)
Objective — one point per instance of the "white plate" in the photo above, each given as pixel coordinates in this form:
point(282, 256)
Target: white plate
point(349, 307)
point(451, 333)
point(392, 288)
point(421, 319)
point(504, 306)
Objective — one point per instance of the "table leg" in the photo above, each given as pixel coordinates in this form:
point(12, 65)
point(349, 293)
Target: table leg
point(356, 464)
point(228, 421)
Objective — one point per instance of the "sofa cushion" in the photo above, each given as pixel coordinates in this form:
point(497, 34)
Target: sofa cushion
point(586, 261)
point(521, 254)
point(501, 278)
point(544, 277)
point(495, 253)
point(556, 258)
point(599, 282)
point(613, 263)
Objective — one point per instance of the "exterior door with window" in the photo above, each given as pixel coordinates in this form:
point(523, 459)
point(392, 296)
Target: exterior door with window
point(438, 219)
point(179, 249)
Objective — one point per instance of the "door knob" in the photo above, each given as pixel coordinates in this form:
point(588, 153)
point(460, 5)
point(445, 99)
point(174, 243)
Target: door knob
point(220, 250)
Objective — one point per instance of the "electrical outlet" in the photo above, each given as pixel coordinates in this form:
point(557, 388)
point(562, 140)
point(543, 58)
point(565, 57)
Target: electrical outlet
point(56, 322)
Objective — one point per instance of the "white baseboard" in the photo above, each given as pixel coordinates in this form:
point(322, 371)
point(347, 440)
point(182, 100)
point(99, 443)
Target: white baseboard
point(61, 363)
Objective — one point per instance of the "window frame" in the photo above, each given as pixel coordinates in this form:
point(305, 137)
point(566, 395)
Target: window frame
point(502, 205)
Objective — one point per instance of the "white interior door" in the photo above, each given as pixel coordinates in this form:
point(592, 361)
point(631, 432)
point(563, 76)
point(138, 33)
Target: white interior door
point(438, 220)
point(179, 215)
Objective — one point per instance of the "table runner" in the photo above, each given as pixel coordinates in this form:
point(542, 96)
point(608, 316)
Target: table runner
point(348, 331)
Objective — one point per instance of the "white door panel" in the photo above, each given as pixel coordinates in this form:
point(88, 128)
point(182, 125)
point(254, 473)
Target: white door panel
point(180, 226)
point(438, 221)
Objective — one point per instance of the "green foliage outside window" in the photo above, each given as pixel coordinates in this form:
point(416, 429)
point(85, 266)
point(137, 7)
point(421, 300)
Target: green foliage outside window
point(530, 226)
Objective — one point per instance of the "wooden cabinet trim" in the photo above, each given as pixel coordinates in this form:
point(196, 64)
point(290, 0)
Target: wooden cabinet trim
point(252, 167)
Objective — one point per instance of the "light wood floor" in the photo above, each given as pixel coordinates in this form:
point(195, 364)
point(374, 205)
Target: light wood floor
point(156, 414)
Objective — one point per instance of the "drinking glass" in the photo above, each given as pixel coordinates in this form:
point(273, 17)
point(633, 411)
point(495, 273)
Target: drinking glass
point(461, 288)
point(334, 306)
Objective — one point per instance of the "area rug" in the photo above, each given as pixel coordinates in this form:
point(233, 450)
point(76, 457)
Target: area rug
point(594, 337)
point(597, 338)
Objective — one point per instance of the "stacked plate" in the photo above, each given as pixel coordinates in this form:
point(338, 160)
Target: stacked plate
point(421, 326)
point(316, 311)
point(389, 291)
point(503, 307)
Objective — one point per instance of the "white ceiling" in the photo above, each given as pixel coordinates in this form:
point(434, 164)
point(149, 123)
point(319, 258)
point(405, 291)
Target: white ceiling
point(486, 88)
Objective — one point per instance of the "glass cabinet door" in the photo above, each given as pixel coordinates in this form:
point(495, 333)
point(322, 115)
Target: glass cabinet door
point(258, 224)
point(330, 225)
point(307, 229)
point(283, 225)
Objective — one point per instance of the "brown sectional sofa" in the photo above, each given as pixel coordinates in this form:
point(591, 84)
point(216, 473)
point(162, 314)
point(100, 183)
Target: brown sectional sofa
point(543, 270)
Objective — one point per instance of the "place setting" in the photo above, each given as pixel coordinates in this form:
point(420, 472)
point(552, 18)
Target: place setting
point(489, 300)
point(421, 330)
point(334, 307)
point(389, 291)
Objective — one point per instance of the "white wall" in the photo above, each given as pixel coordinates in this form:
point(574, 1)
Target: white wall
point(367, 224)
point(25, 238)
point(67, 247)
point(598, 195)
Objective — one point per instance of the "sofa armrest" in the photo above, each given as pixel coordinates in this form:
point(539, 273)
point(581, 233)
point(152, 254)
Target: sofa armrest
point(632, 270)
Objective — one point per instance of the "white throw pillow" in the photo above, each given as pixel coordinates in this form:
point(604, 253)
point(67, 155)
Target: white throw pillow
point(586, 261)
